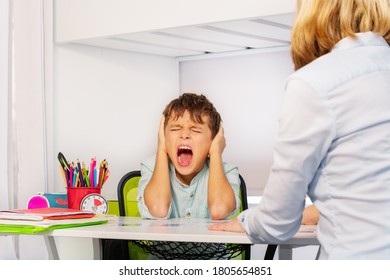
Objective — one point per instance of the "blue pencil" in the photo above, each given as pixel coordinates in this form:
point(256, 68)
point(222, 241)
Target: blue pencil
point(95, 177)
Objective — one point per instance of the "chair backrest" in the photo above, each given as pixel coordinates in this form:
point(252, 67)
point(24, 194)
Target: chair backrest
point(243, 194)
point(128, 206)
point(127, 194)
point(244, 205)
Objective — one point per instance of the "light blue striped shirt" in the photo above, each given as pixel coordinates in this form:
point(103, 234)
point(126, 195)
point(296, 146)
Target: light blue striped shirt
point(187, 201)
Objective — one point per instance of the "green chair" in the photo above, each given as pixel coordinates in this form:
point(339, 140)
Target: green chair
point(127, 194)
point(128, 206)
point(127, 202)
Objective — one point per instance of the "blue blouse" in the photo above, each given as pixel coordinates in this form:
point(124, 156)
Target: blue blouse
point(334, 145)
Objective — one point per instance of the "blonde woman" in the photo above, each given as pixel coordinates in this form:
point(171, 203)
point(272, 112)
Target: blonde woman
point(334, 137)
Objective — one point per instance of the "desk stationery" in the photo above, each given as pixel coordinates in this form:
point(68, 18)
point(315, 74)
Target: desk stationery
point(179, 230)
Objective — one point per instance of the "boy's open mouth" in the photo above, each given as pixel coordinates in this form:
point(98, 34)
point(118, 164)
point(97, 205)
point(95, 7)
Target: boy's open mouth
point(184, 155)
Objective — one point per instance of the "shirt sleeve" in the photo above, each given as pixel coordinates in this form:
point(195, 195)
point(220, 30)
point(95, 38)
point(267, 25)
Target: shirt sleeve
point(306, 130)
point(147, 168)
point(232, 176)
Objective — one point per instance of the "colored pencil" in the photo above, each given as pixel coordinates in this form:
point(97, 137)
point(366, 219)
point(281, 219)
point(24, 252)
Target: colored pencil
point(70, 176)
point(80, 173)
point(63, 174)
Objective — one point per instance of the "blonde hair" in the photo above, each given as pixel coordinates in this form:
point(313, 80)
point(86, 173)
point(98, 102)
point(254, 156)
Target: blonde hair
point(320, 24)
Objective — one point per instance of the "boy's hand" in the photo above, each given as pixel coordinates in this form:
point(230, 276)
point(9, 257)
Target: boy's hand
point(161, 136)
point(232, 225)
point(219, 143)
point(311, 215)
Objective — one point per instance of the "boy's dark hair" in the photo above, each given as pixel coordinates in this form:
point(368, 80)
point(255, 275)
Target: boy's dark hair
point(197, 105)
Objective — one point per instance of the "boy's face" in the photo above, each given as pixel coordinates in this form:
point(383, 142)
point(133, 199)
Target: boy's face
point(188, 144)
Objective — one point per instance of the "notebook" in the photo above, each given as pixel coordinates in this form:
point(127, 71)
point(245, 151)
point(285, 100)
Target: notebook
point(40, 214)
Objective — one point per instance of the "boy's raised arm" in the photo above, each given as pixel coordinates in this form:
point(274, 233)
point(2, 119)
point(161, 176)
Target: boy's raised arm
point(157, 193)
point(221, 199)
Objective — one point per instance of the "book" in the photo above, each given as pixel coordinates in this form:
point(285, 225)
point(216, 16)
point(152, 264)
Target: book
point(40, 214)
point(13, 226)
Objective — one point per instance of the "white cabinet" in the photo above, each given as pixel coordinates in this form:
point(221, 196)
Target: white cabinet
point(175, 27)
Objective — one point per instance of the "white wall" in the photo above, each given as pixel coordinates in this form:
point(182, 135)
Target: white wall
point(247, 91)
point(28, 113)
point(108, 104)
point(28, 105)
point(6, 242)
point(4, 103)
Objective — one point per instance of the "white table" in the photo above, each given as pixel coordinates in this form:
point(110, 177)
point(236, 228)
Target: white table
point(181, 230)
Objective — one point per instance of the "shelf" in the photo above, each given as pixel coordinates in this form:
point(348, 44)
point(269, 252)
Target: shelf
point(224, 37)
point(175, 28)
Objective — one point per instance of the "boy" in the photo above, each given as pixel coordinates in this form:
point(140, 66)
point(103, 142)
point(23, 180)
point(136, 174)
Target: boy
point(187, 177)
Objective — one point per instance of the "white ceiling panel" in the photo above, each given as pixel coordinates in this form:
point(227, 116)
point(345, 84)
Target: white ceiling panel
point(166, 39)
point(212, 38)
point(284, 19)
point(138, 47)
point(254, 29)
point(221, 37)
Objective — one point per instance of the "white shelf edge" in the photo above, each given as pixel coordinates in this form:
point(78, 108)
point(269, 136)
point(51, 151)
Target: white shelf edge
point(233, 53)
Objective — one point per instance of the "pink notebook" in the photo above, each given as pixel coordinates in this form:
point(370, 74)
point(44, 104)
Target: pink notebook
point(39, 214)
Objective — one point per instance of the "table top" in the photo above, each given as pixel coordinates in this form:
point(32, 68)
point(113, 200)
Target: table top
point(181, 230)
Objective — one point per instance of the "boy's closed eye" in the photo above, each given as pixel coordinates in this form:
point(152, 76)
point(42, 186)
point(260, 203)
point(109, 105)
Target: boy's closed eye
point(175, 128)
point(196, 130)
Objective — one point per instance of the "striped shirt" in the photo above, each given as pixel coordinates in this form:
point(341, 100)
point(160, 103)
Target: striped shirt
point(187, 200)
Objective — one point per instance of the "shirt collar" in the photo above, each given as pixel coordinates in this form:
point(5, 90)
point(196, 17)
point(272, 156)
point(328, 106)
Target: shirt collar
point(361, 39)
point(197, 176)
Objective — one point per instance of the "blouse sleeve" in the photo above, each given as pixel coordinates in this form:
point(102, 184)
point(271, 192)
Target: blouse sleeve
point(306, 130)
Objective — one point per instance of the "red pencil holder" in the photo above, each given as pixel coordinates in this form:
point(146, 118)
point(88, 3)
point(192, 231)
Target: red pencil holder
point(76, 195)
